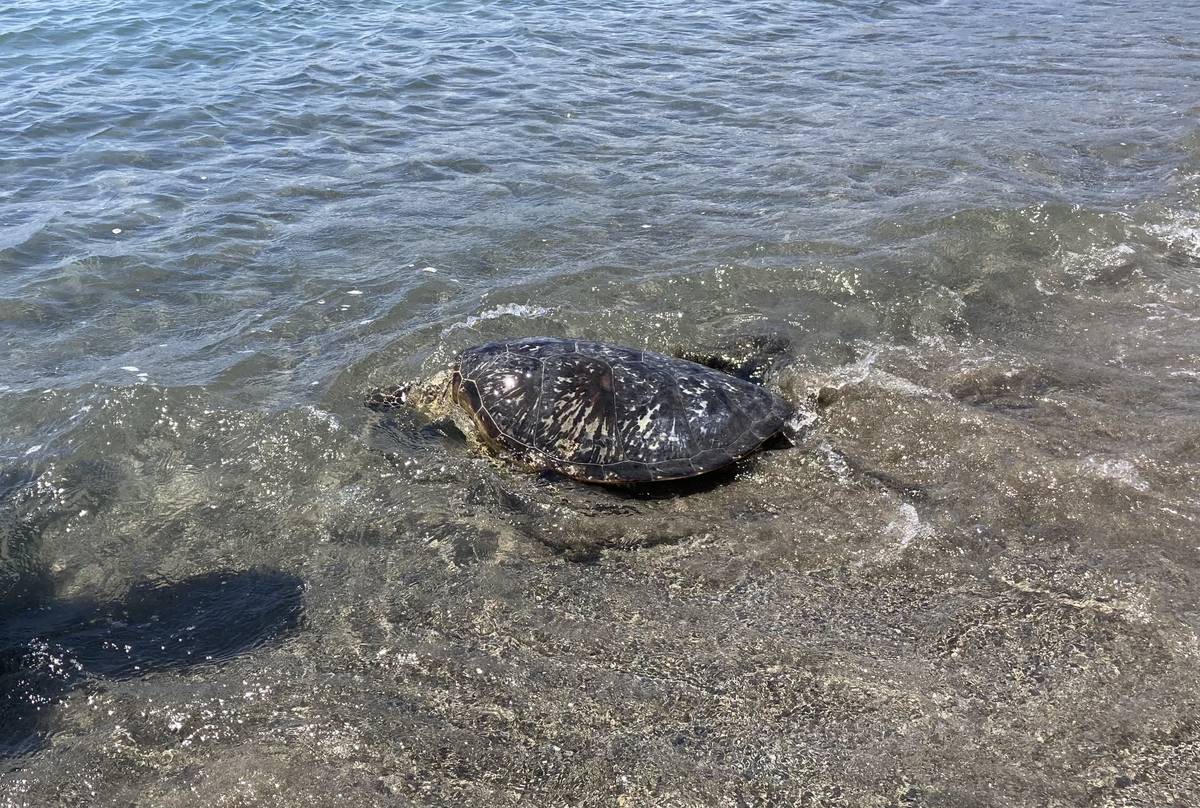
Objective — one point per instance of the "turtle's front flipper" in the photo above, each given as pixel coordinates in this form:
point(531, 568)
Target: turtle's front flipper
point(444, 428)
point(388, 399)
point(393, 399)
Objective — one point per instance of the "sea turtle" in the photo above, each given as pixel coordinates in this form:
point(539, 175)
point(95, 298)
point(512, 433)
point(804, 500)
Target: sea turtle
point(602, 413)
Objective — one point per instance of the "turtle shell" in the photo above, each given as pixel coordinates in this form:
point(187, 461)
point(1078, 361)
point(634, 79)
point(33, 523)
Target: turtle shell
point(603, 413)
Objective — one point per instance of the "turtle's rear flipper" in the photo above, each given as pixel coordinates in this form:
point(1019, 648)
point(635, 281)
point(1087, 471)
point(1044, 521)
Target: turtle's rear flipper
point(750, 357)
point(388, 399)
point(795, 430)
point(910, 491)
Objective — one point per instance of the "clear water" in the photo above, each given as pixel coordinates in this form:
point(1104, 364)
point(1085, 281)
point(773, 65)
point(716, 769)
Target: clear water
point(223, 581)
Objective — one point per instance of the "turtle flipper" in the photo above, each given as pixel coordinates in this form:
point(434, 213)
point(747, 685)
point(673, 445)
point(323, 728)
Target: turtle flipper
point(797, 428)
point(388, 399)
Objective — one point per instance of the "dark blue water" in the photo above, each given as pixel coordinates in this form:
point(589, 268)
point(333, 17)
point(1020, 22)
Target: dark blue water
point(976, 228)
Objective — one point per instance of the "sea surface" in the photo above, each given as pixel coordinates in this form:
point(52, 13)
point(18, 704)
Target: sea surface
point(969, 231)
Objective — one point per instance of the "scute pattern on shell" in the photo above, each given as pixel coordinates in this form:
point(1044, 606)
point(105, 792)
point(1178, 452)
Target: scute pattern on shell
point(605, 413)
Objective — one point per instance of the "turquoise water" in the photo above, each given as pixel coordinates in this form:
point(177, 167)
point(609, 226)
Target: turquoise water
point(223, 223)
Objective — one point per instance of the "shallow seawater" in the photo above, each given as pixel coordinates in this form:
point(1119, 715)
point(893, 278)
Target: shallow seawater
point(224, 580)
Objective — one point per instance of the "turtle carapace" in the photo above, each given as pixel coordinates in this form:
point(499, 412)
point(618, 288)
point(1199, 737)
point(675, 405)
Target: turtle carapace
point(606, 414)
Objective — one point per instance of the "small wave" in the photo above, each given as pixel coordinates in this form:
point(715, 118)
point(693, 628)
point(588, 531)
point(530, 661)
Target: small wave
point(495, 313)
point(1181, 232)
point(16, 235)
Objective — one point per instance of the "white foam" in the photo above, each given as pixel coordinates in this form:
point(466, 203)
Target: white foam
point(506, 310)
point(1085, 264)
point(324, 416)
point(1116, 470)
point(1180, 232)
point(801, 420)
point(864, 368)
point(908, 526)
point(859, 371)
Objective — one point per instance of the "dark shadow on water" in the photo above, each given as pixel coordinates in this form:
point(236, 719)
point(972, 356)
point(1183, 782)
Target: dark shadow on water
point(52, 647)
